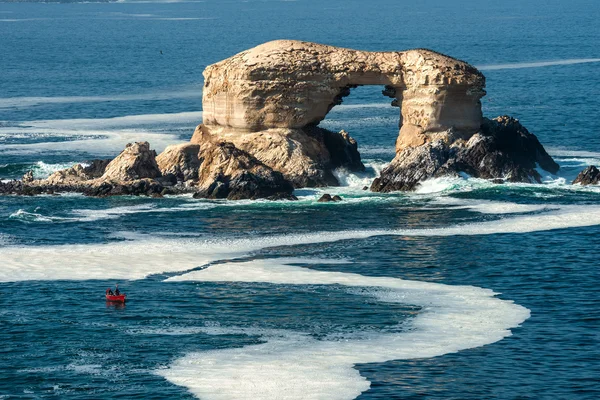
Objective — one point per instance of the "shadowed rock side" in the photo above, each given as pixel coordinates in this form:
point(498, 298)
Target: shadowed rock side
point(502, 150)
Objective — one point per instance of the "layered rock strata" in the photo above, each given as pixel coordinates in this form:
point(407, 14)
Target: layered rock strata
point(269, 100)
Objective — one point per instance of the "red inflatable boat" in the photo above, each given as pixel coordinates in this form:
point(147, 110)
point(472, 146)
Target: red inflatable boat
point(111, 297)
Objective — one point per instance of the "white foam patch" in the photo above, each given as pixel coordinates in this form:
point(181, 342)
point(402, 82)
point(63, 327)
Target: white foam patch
point(493, 207)
point(138, 259)
point(561, 152)
point(452, 318)
point(92, 215)
point(358, 180)
point(24, 102)
point(183, 118)
point(537, 64)
point(97, 136)
point(42, 170)
point(27, 216)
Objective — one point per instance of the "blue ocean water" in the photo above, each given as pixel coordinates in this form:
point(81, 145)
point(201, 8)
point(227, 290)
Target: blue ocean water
point(380, 296)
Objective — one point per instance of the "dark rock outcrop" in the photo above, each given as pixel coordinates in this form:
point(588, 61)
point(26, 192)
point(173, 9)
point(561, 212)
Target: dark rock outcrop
point(227, 172)
point(589, 176)
point(502, 150)
point(326, 198)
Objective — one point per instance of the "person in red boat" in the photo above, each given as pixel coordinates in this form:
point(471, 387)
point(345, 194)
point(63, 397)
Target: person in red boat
point(109, 292)
point(117, 291)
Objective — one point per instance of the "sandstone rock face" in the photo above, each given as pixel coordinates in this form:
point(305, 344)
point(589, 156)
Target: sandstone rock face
point(589, 176)
point(293, 84)
point(502, 149)
point(180, 160)
point(269, 100)
point(306, 157)
point(137, 161)
point(227, 172)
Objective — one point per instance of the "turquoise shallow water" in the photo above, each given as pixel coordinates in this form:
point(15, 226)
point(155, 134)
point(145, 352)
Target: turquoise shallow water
point(268, 297)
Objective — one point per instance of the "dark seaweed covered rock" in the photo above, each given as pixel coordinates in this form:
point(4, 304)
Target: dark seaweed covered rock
point(502, 150)
point(589, 176)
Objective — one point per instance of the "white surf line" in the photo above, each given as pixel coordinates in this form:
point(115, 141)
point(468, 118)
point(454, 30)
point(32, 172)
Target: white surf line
point(139, 259)
point(122, 121)
point(98, 135)
point(452, 318)
point(536, 64)
point(23, 102)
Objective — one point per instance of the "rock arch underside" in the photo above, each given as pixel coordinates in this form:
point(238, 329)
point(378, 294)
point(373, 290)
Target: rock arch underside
point(260, 136)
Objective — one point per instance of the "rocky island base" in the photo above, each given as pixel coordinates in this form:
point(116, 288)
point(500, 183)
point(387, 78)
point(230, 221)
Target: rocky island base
point(260, 136)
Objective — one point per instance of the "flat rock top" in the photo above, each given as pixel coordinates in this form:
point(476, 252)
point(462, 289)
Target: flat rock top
point(285, 59)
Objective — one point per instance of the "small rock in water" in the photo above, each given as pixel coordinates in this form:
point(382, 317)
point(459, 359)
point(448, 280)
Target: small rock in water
point(365, 188)
point(589, 176)
point(325, 198)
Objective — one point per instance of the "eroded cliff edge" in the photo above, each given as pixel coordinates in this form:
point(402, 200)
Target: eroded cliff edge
point(260, 136)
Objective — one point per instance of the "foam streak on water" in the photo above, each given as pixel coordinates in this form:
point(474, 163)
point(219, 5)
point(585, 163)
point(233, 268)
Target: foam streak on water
point(537, 64)
point(121, 260)
point(453, 318)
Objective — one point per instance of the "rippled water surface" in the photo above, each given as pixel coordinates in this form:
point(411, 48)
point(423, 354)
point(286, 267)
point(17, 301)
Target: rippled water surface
point(464, 289)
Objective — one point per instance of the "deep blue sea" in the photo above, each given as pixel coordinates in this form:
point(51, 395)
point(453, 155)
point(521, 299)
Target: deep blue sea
point(463, 290)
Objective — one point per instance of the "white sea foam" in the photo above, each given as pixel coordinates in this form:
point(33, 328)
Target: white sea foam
point(138, 259)
point(27, 216)
point(452, 318)
point(537, 64)
point(42, 170)
point(98, 136)
point(89, 215)
point(561, 152)
point(23, 102)
point(358, 180)
point(492, 207)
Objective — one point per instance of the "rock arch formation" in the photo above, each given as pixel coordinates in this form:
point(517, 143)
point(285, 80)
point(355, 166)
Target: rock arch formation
point(293, 85)
point(260, 136)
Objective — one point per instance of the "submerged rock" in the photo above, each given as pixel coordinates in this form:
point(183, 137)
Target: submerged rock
point(502, 150)
point(589, 176)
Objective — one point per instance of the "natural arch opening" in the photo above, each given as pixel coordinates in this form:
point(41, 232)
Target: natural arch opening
point(371, 115)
